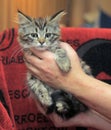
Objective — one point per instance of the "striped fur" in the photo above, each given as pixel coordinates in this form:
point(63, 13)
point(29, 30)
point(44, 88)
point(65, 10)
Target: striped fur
point(44, 33)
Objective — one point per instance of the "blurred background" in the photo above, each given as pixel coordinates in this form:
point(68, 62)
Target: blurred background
point(80, 13)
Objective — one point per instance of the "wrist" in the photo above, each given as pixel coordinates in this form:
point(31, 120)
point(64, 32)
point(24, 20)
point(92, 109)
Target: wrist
point(77, 83)
point(93, 93)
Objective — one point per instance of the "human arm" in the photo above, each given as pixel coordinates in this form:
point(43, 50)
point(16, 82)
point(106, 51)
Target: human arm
point(88, 119)
point(94, 93)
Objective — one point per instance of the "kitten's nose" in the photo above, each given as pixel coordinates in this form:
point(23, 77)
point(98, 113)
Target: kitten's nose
point(41, 41)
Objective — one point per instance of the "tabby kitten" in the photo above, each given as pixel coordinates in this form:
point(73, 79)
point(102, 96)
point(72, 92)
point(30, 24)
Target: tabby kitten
point(44, 34)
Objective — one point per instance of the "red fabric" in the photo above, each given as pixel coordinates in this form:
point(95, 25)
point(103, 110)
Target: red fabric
point(19, 111)
point(78, 37)
point(5, 121)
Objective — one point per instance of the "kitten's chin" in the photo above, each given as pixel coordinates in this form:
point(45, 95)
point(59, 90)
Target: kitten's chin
point(41, 48)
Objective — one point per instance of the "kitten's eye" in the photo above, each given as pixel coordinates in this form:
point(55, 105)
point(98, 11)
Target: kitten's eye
point(48, 35)
point(34, 35)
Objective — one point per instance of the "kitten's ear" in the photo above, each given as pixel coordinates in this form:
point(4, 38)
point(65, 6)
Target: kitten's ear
point(57, 17)
point(23, 19)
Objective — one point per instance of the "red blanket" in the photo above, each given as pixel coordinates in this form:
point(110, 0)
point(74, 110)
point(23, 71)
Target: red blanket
point(18, 110)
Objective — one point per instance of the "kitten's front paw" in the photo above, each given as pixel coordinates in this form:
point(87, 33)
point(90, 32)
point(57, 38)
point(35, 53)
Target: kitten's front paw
point(62, 60)
point(64, 64)
point(61, 107)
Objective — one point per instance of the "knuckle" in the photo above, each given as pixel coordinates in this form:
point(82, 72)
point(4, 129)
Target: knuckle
point(50, 56)
point(44, 68)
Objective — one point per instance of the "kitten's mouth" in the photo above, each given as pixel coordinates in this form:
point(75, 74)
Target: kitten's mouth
point(41, 47)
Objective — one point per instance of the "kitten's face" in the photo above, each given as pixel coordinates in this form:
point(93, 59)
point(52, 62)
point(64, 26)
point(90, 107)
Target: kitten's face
point(40, 33)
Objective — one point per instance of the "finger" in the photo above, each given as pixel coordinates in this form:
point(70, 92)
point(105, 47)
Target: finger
point(41, 54)
point(66, 46)
point(33, 60)
point(70, 51)
point(34, 71)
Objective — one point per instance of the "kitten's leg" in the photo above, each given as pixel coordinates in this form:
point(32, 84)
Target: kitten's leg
point(40, 90)
point(66, 105)
point(62, 60)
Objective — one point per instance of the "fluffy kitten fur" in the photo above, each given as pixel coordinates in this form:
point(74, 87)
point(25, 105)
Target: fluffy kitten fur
point(44, 33)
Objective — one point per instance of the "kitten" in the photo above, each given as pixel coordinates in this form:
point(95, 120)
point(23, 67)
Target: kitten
point(44, 33)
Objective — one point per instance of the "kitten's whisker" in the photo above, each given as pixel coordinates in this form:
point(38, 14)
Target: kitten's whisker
point(15, 19)
point(15, 48)
point(16, 52)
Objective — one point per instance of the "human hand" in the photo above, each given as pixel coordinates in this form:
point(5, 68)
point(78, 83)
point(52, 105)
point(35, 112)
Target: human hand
point(87, 119)
point(43, 66)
